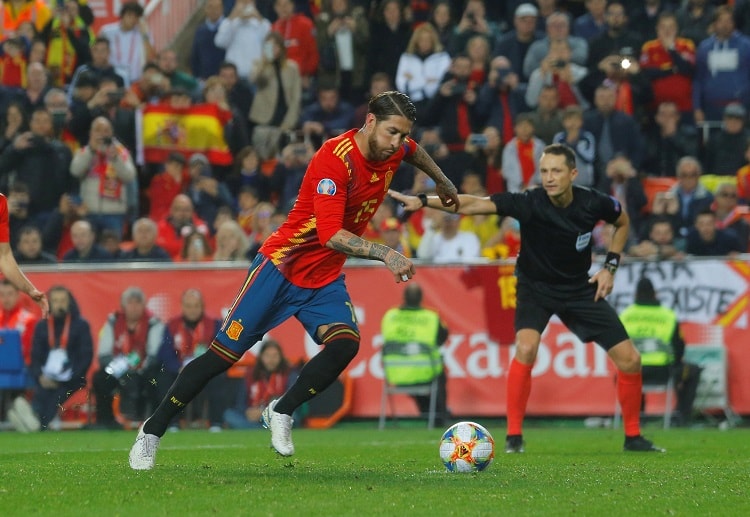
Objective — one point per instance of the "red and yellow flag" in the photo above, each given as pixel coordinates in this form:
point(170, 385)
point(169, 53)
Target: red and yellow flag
point(198, 129)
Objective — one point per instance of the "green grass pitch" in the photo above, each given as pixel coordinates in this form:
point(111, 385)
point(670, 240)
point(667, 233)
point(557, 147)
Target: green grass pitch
point(354, 469)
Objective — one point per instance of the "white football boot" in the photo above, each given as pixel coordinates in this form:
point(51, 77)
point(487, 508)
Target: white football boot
point(143, 453)
point(280, 426)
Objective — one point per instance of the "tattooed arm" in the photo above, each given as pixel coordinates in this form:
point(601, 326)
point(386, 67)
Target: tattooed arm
point(444, 188)
point(354, 246)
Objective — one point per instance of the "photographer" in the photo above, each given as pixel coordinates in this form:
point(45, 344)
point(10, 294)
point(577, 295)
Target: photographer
point(39, 161)
point(558, 70)
point(501, 97)
point(104, 168)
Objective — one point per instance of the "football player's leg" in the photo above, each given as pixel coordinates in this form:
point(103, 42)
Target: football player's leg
point(329, 317)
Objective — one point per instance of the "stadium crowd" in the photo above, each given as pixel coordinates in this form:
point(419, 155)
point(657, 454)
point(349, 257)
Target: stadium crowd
point(98, 130)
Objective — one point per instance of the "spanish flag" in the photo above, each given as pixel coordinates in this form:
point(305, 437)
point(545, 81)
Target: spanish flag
point(198, 129)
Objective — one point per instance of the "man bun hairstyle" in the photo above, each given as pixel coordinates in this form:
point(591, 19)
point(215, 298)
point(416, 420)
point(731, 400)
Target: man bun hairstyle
point(563, 150)
point(392, 103)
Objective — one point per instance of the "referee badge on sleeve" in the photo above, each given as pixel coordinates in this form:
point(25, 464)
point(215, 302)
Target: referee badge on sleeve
point(582, 241)
point(327, 187)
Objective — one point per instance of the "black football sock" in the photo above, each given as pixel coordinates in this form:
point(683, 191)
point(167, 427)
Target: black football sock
point(319, 373)
point(189, 383)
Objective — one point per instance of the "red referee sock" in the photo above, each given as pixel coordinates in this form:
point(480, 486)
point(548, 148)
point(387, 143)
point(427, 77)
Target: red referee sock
point(629, 392)
point(519, 388)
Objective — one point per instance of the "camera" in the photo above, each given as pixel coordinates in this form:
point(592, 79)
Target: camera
point(37, 141)
point(115, 96)
point(478, 140)
point(107, 140)
point(560, 63)
point(459, 88)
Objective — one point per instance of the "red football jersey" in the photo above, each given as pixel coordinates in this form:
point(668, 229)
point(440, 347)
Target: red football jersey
point(4, 225)
point(340, 190)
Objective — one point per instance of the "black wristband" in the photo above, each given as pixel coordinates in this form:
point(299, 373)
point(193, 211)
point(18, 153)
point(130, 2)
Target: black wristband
point(422, 198)
point(612, 262)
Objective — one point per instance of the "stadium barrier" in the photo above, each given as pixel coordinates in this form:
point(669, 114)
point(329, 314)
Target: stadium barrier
point(477, 303)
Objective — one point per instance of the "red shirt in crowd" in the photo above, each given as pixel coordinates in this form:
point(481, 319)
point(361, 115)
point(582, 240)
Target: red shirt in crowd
point(673, 86)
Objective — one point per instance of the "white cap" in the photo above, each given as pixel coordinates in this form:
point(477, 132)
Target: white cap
point(526, 10)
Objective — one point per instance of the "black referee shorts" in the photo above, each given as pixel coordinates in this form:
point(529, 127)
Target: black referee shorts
point(536, 302)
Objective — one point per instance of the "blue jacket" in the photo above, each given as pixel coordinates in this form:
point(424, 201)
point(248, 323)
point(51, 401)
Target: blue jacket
point(205, 57)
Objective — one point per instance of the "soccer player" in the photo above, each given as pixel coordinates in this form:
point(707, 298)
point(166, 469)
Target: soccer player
point(297, 271)
point(552, 272)
point(8, 265)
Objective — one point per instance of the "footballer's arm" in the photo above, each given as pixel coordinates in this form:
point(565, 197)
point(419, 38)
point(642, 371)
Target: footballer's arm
point(446, 190)
point(467, 204)
point(355, 246)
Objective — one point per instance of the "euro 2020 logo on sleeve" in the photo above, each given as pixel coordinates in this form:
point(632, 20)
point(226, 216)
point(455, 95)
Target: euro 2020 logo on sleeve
point(326, 186)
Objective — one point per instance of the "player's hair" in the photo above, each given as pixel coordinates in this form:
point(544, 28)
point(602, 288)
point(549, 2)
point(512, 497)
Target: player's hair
point(563, 150)
point(392, 103)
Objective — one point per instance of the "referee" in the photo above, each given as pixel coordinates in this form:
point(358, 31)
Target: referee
point(557, 221)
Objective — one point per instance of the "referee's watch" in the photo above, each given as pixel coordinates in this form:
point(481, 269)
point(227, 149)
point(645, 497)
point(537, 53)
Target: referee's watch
point(422, 198)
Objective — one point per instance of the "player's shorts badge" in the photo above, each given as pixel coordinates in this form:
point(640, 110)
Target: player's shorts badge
point(234, 330)
point(326, 186)
point(583, 241)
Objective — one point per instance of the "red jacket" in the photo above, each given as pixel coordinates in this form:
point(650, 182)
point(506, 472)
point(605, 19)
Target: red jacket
point(161, 193)
point(299, 38)
point(169, 238)
point(24, 321)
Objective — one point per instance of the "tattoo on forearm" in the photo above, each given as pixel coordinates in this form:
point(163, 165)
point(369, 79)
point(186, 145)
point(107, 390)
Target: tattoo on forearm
point(359, 247)
point(422, 160)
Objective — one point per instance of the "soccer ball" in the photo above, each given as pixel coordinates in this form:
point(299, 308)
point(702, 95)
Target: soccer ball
point(467, 447)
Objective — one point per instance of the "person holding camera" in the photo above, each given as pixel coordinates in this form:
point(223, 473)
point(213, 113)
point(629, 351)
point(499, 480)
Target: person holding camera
point(104, 168)
point(241, 34)
point(558, 69)
point(558, 29)
point(501, 97)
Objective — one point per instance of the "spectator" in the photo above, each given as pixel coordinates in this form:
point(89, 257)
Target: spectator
point(98, 68)
point(192, 331)
point(621, 181)
point(706, 240)
point(152, 88)
point(724, 154)
point(616, 133)
point(145, 248)
point(85, 248)
point(547, 117)
point(328, 116)
point(205, 56)
point(593, 22)
point(646, 319)
point(515, 44)
point(453, 109)
point(105, 171)
point(392, 33)
point(14, 315)
point(207, 193)
point(392, 235)
point(422, 65)
point(722, 61)
point(232, 244)
point(39, 161)
point(136, 359)
point(558, 28)
point(669, 63)
point(247, 202)
point(68, 41)
point(178, 224)
point(247, 173)
point(56, 102)
point(241, 35)
point(478, 50)
point(166, 185)
point(409, 323)
point(29, 248)
point(343, 36)
point(195, 247)
point(644, 18)
point(743, 178)
point(277, 103)
point(668, 141)
point(441, 20)
point(56, 231)
point(13, 124)
point(660, 243)
point(379, 83)
point(298, 33)
point(267, 380)
point(521, 157)
point(581, 141)
point(473, 22)
point(501, 97)
point(15, 13)
point(130, 41)
point(442, 241)
point(262, 228)
point(167, 62)
point(61, 354)
point(238, 90)
point(557, 69)
point(687, 198)
point(730, 215)
point(13, 63)
point(616, 40)
point(32, 96)
point(695, 18)
point(111, 242)
point(235, 122)
point(18, 211)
